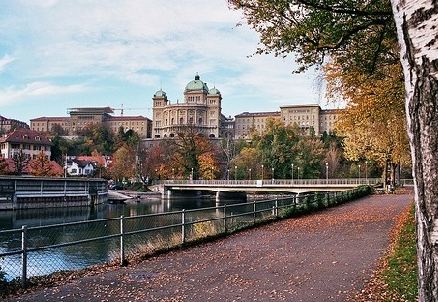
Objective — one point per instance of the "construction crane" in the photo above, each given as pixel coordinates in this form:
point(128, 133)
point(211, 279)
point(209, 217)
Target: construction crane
point(132, 108)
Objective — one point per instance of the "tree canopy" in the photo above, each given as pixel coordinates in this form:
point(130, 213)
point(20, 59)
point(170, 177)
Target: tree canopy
point(315, 29)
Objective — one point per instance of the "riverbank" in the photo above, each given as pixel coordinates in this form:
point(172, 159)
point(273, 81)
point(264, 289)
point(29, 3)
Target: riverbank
point(326, 256)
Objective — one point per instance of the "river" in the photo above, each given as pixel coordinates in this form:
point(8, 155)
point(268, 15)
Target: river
point(77, 256)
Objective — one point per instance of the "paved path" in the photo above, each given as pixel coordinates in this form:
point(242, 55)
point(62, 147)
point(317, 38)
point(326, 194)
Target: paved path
point(320, 257)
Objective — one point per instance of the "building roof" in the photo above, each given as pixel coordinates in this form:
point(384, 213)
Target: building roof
point(127, 118)
point(90, 110)
point(100, 160)
point(197, 84)
point(160, 93)
point(245, 114)
point(52, 118)
point(214, 90)
point(26, 136)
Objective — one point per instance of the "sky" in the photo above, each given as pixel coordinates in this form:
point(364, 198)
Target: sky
point(60, 54)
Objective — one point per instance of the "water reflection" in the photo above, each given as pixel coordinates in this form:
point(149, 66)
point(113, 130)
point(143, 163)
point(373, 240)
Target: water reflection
point(89, 253)
point(15, 219)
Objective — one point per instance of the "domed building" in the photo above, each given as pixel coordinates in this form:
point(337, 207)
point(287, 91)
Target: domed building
point(201, 110)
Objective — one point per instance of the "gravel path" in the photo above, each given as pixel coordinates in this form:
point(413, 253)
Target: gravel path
point(325, 256)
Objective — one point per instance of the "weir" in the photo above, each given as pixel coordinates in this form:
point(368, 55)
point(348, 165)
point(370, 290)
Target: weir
point(46, 192)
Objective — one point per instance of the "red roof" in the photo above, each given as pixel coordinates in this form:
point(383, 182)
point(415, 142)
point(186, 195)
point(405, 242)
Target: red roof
point(26, 136)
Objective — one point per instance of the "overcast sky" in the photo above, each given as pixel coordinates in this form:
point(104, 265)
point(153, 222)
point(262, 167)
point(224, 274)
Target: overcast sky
point(58, 54)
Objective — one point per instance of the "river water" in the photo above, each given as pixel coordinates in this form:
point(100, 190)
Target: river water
point(76, 256)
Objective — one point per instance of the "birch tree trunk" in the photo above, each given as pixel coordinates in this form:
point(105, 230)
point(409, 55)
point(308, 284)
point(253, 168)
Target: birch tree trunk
point(417, 29)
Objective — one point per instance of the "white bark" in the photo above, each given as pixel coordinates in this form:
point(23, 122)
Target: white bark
point(417, 29)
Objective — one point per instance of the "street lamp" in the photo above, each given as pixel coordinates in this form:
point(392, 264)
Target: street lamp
point(366, 171)
point(262, 171)
point(273, 170)
point(235, 172)
point(228, 174)
point(192, 174)
point(173, 173)
point(249, 173)
point(292, 168)
point(298, 168)
point(359, 173)
point(326, 173)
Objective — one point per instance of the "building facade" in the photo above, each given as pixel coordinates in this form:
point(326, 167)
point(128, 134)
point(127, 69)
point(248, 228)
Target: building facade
point(246, 122)
point(201, 110)
point(7, 125)
point(26, 141)
point(82, 117)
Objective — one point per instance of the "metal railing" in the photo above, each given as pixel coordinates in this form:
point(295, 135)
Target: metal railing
point(36, 251)
point(291, 182)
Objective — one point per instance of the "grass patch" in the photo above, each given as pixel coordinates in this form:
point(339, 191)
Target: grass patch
point(401, 272)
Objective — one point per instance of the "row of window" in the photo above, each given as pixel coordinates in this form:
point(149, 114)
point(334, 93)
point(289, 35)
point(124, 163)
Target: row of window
point(27, 147)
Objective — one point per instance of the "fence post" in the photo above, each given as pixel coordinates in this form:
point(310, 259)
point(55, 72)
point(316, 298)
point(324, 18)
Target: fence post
point(122, 241)
point(23, 256)
point(254, 212)
point(183, 226)
point(225, 218)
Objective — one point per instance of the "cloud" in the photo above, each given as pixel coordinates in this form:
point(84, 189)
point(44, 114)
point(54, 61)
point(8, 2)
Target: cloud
point(5, 61)
point(36, 89)
point(125, 48)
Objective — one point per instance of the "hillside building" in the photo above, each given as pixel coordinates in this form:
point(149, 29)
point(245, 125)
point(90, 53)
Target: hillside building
point(82, 117)
point(24, 140)
point(8, 124)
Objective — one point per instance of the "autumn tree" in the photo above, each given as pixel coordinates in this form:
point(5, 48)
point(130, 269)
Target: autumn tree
point(194, 152)
point(248, 163)
point(4, 167)
point(41, 166)
point(20, 160)
point(373, 124)
point(122, 166)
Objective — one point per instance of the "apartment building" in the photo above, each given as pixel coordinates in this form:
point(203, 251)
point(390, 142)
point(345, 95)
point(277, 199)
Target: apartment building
point(24, 140)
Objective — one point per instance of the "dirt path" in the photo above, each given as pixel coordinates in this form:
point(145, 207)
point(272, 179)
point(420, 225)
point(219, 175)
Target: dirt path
point(320, 257)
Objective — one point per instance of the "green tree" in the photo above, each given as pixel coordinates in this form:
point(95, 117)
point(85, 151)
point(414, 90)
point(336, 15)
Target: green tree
point(247, 163)
point(276, 147)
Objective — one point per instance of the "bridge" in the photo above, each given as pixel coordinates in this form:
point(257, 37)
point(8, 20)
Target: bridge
point(230, 187)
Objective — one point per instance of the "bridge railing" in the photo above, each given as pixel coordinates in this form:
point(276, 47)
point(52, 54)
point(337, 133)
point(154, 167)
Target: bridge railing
point(279, 182)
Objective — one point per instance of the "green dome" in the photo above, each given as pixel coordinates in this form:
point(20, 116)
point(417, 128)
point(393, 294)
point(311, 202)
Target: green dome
point(160, 93)
point(214, 91)
point(197, 84)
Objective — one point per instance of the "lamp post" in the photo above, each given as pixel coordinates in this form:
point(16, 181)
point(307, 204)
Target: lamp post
point(359, 173)
point(292, 168)
point(235, 172)
point(326, 173)
point(366, 171)
point(173, 173)
point(192, 175)
point(298, 168)
point(262, 171)
point(249, 173)
point(273, 172)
